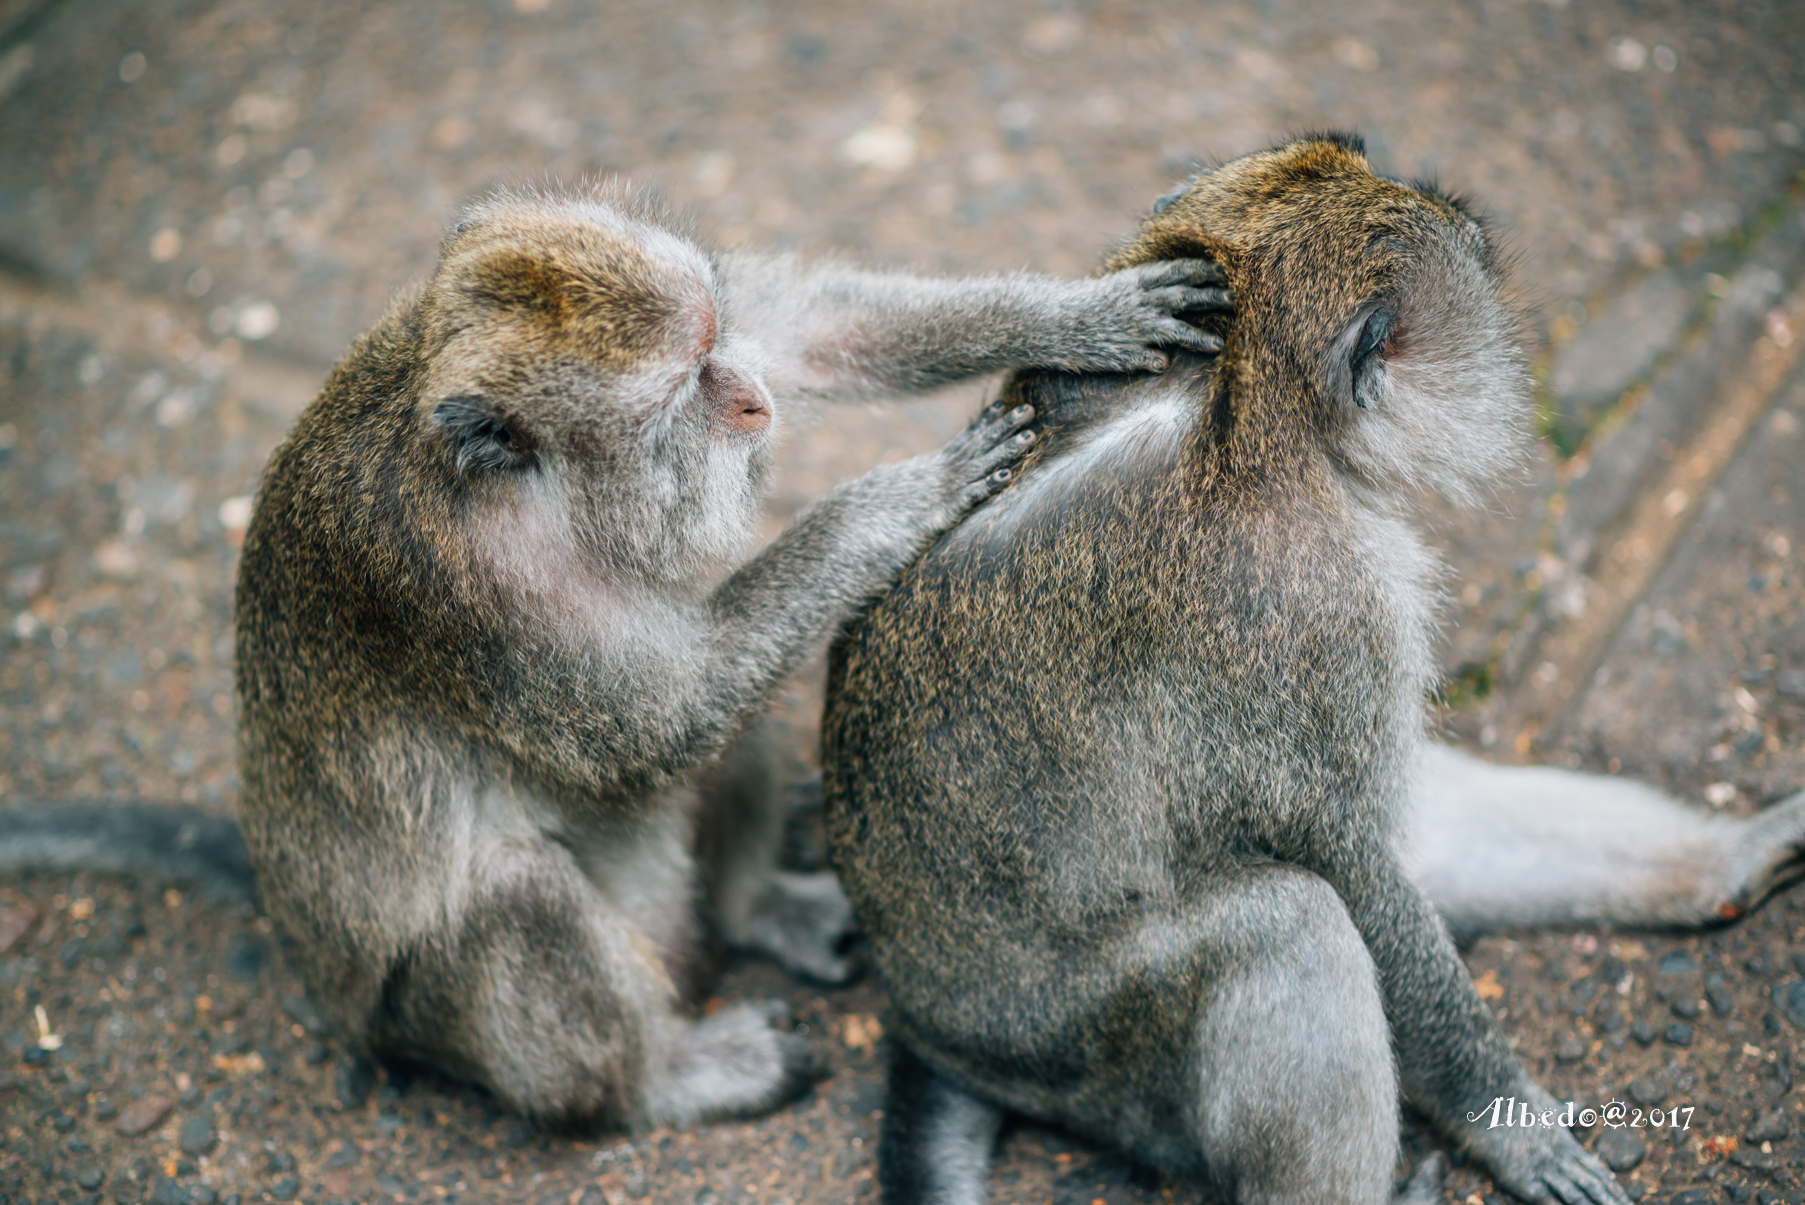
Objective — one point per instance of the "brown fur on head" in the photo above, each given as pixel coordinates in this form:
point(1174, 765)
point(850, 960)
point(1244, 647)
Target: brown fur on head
point(581, 340)
point(570, 279)
point(1334, 329)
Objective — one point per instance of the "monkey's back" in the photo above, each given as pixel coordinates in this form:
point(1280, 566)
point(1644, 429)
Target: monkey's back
point(1047, 740)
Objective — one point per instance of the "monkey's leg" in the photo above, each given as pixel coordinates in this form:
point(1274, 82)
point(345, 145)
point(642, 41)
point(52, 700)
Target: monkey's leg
point(801, 920)
point(937, 1138)
point(544, 991)
point(1502, 846)
point(1296, 1098)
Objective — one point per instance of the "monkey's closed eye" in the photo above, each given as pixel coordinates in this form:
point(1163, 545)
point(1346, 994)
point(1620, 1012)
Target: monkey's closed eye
point(482, 438)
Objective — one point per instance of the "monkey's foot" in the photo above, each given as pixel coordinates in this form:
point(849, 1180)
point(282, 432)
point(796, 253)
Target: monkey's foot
point(736, 1063)
point(1549, 1167)
point(805, 923)
point(1769, 855)
point(1424, 1185)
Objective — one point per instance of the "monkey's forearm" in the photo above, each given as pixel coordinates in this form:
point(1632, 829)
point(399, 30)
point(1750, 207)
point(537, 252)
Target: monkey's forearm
point(1453, 1061)
point(844, 549)
point(837, 332)
point(1451, 1056)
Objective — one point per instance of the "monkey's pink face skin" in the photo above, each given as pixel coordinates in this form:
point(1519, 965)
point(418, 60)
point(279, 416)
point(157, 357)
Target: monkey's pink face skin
point(718, 373)
point(739, 403)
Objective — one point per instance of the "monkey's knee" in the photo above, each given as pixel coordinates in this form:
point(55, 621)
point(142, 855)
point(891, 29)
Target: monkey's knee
point(1297, 1098)
point(540, 993)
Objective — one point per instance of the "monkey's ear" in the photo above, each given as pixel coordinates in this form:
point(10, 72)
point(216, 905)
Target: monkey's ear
point(1164, 201)
point(1350, 374)
point(482, 438)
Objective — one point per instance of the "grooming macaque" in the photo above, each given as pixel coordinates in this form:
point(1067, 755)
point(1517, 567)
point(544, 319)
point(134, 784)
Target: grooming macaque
point(1127, 777)
point(489, 623)
point(496, 663)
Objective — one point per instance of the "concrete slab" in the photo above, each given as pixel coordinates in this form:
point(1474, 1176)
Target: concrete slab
point(1701, 687)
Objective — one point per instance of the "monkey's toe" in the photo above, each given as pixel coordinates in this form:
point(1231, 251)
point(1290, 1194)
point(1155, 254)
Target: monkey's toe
point(807, 925)
point(1424, 1185)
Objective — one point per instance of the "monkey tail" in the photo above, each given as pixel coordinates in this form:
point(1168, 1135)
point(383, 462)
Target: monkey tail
point(152, 842)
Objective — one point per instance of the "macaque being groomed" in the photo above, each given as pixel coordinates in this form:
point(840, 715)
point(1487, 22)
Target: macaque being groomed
point(1128, 780)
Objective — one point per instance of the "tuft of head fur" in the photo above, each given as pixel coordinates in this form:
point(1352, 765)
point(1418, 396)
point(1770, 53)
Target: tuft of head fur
point(1367, 310)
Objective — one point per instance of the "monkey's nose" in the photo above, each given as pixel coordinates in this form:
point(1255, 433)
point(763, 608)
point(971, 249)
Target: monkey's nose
point(747, 413)
point(740, 405)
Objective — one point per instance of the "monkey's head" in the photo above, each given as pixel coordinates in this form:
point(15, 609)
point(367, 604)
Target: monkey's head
point(1367, 314)
point(579, 380)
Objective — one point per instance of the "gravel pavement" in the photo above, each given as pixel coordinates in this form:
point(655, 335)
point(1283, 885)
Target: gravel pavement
point(203, 201)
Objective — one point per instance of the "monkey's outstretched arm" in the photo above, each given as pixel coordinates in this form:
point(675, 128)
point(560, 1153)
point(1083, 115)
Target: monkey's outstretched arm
point(1453, 1060)
point(841, 333)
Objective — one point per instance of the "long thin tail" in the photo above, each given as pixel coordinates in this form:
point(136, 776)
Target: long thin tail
point(155, 842)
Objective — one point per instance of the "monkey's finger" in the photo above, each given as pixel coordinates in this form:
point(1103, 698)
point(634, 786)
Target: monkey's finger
point(1578, 1184)
point(1003, 417)
point(1179, 300)
point(980, 491)
point(1182, 272)
point(1003, 454)
point(995, 423)
point(1175, 332)
point(1020, 417)
point(1002, 428)
point(1558, 1190)
point(1591, 1175)
point(1600, 1188)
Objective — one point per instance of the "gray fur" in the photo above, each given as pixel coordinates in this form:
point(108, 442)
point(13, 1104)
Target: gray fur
point(499, 662)
point(1118, 773)
point(1500, 847)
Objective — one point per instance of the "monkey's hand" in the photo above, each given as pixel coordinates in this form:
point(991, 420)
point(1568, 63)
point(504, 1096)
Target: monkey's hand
point(1120, 322)
point(1546, 1165)
point(980, 459)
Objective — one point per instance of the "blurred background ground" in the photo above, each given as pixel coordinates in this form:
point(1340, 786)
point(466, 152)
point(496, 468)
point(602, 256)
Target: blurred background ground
point(202, 202)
